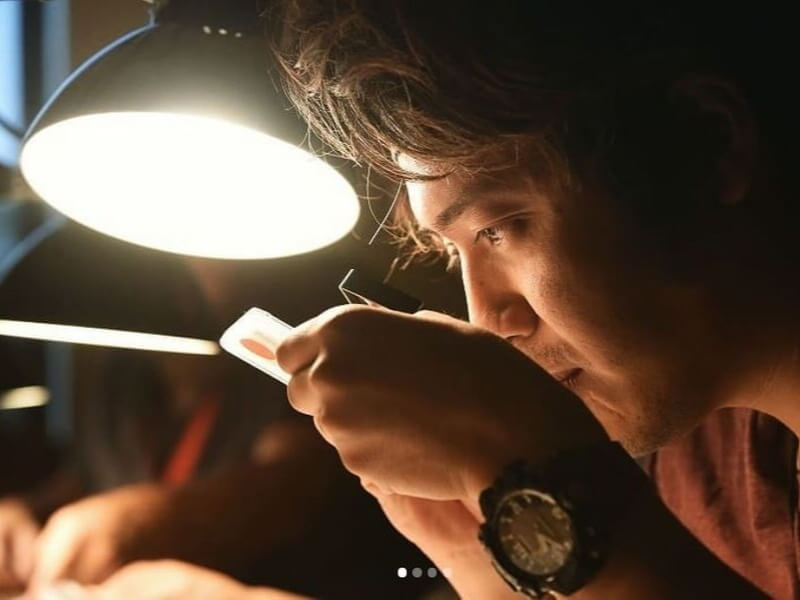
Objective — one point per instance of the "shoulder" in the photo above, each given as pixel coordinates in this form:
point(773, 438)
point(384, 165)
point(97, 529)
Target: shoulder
point(733, 483)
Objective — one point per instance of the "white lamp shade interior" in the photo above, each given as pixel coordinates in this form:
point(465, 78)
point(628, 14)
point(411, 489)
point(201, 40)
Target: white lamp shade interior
point(188, 184)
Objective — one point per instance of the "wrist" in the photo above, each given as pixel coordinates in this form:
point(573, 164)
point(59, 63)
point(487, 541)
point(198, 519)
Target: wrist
point(549, 526)
point(469, 571)
point(535, 452)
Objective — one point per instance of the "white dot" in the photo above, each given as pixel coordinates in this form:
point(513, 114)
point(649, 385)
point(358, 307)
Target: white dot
point(432, 572)
point(238, 34)
point(223, 32)
point(206, 29)
point(416, 572)
point(402, 572)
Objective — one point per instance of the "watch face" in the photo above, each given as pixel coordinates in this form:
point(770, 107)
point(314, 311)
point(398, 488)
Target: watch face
point(535, 533)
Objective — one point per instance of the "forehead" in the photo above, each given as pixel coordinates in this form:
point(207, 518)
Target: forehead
point(432, 199)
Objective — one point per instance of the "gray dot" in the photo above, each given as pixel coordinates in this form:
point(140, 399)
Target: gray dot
point(432, 572)
point(416, 572)
point(402, 572)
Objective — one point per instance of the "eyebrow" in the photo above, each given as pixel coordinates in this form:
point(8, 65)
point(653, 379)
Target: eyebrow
point(450, 214)
point(471, 195)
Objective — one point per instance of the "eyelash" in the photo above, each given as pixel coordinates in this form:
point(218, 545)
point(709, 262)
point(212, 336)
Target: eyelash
point(496, 234)
point(494, 238)
point(493, 235)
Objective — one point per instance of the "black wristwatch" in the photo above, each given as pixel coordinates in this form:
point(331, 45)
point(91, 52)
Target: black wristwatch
point(548, 527)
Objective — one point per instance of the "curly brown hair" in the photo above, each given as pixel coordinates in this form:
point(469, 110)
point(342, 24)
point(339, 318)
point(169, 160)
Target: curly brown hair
point(471, 86)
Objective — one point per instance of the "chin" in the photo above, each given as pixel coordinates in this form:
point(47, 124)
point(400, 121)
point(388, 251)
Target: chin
point(643, 431)
point(648, 433)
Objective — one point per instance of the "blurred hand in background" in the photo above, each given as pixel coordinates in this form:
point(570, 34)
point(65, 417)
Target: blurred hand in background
point(18, 532)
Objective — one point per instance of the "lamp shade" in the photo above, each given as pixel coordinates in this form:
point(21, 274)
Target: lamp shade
point(64, 282)
point(176, 137)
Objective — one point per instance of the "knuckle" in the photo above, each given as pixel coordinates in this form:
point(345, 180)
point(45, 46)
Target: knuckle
point(324, 423)
point(59, 519)
point(427, 314)
point(343, 319)
point(353, 461)
point(330, 373)
point(298, 397)
point(323, 372)
point(291, 393)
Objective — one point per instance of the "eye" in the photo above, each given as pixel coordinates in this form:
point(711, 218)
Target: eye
point(493, 235)
point(512, 227)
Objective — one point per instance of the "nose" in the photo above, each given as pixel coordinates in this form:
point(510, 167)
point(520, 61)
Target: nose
point(495, 303)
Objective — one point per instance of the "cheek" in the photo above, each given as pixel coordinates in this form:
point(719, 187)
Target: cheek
point(558, 284)
point(590, 301)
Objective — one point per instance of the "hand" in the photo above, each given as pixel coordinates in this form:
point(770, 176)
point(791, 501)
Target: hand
point(88, 540)
point(18, 531)
point(447, 532)
point(425, 405)
point(174, 580)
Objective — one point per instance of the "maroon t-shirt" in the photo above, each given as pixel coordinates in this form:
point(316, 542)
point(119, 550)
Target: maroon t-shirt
point(733, 483)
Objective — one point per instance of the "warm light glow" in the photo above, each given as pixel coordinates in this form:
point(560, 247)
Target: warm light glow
point(24, 397)
point(107, 337)
point(188, 184)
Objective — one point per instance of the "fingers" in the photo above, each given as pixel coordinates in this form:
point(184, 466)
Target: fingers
point(57, 551)
point(300, 393)
point(430, 315)
point(62, 590)
point(24, 552)
point(94, 562)
point(174, 580)
point(77, 561)
point(17, 549)
point(297, 351)
point(124, 583)
point(144, 580)
point(301, 347)
point(270, 594)
point(18, 531)
point(8, 578)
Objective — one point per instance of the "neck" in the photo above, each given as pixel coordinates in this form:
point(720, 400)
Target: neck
point(778, 392)
point(770, 369)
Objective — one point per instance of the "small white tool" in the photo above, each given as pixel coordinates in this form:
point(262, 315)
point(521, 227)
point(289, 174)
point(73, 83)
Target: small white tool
point(254, 337)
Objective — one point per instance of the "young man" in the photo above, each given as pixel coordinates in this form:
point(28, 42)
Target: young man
point(615, 180)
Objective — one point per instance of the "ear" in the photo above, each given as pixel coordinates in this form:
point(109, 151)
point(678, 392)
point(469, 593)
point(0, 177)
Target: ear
point(722, 106)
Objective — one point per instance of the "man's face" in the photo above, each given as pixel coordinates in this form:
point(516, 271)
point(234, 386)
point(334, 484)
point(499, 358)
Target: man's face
point(564, 277)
